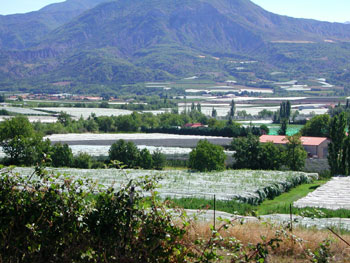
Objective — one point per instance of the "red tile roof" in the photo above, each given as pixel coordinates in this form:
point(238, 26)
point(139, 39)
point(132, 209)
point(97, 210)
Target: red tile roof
point(308, 141)
point(194, 125)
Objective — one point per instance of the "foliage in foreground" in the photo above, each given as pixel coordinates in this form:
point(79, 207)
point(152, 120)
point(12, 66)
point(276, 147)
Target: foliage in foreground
point(50, 218)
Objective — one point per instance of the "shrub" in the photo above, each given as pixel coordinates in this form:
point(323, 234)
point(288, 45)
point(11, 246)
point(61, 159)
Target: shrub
point(55, 222)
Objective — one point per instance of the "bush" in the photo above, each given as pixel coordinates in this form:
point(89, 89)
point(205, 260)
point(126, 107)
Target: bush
point(55, 222)
point(207, 157)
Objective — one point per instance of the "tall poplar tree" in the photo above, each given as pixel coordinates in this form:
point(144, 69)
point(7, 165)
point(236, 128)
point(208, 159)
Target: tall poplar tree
point(337, 147)
point(232, 109)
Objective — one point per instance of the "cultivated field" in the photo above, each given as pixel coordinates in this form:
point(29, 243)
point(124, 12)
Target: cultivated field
point(333, 195)
point(247, 186)
point(86, 112)
point(148, 139)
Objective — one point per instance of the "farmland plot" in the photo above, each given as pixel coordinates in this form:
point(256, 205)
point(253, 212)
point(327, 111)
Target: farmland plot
point(86, 112)
point(333, 195)
point(149, 139)
point(25, 111)
point(247, 186)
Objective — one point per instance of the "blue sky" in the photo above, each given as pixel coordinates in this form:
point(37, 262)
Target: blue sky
point(326, 10)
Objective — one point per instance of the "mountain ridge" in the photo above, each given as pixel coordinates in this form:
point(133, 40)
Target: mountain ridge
point(156, 40)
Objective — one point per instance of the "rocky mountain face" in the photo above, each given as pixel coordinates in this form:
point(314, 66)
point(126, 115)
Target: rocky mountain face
point(123, 41)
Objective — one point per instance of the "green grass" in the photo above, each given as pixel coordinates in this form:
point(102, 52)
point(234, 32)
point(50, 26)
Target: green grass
point(282, 202)
point(225, 206)
point(279, 205)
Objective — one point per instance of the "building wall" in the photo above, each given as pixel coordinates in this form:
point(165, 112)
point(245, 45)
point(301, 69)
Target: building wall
point(311, 150)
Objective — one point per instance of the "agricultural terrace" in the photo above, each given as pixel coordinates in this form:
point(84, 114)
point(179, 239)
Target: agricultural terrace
point(244, 185)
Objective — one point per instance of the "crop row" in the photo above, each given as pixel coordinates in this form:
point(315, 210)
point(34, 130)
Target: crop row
point(247, 186)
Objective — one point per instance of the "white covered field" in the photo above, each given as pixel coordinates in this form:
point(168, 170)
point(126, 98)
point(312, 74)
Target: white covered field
point(149, 139)
point(335, 194)
point(86, 112)
point(226, 185)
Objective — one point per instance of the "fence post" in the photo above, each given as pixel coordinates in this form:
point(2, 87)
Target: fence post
point(291, 217)
point(214, 211)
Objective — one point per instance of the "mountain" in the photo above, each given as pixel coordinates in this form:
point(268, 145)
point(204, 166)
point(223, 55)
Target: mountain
point(21, 31)
point(99, 43)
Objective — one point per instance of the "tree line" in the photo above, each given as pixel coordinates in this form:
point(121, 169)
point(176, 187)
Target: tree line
point(23, 145)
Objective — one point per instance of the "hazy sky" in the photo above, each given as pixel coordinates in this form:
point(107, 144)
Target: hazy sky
point(326, 10)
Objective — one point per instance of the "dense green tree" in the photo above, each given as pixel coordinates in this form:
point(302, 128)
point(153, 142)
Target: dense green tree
point(2, 98)
point(193, 107)
point(207, 157)
point(104, 104)
point(64, 118)
point(283, 113)
point(106, 124)
point(61, 155)
point(264, 129)
point(318, 126)
point(232, 109)
point(91, 125)
point(158, 160)
point(288, 110)
point(214, 113)
point(145, 160)
point(251, 154)
point(270, 156)
point(336, 154)
point(247, 150)
point(20, 142)
point(199, 107)
point(265, 114)
point(295, 154)
point(125, 152)
point(82, 161)
point(284, 127)
point(127, 123)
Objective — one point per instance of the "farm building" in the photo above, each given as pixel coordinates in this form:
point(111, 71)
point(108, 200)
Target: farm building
point(194, 125)
point(315, 146)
